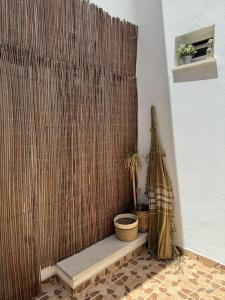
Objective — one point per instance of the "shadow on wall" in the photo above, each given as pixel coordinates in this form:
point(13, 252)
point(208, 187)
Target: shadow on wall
point(153, 89)
point(173, 173)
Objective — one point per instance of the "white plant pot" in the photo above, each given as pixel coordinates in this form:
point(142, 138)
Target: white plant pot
point(187, 59)
point(181, 61)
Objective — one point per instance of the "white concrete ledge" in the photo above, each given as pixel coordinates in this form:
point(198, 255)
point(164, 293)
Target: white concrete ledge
point(91, 261)
point(48, 273)
point(199, 70)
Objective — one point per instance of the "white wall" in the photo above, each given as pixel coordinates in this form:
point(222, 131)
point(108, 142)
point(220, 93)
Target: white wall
point(123, 9)
point(153, 89)
point(198, 112)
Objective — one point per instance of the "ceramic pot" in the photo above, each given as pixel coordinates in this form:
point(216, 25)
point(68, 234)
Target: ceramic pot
point(181, 61)
point(187, 59)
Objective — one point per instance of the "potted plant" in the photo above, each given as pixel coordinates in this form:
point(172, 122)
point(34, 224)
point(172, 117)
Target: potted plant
point(132, 164)
point(185, 52)
point(126, 225)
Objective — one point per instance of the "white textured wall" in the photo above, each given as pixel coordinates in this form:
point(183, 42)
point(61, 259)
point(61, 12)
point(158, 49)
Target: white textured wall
point(153, 89)
point(123, 9)
point(198, 111)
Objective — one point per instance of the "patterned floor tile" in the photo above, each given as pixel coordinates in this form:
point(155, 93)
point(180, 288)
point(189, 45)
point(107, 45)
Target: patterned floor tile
point(143, 278)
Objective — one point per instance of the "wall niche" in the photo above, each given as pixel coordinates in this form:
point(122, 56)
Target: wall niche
point(202, 65)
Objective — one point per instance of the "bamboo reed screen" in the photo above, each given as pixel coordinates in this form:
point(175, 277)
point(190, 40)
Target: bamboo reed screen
point(68, 111)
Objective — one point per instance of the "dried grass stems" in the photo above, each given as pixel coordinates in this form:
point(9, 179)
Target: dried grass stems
point(68, 111)
point(132, 163)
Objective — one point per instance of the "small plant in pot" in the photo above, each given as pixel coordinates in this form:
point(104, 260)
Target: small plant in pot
point(185, 52)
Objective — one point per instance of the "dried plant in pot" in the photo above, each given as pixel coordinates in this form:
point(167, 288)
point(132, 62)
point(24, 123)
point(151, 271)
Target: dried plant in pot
point(133, 165)
point(126, 225)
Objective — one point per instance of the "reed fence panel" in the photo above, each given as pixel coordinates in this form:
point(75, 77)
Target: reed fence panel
point(68, 112)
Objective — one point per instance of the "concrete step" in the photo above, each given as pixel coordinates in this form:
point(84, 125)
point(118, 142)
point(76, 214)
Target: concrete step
point(82, 269)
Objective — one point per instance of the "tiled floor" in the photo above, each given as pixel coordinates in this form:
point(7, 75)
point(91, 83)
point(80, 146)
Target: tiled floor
point(144, 278)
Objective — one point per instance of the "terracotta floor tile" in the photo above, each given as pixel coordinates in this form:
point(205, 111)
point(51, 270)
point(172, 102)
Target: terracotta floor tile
point(218, 294)
point(143, 278)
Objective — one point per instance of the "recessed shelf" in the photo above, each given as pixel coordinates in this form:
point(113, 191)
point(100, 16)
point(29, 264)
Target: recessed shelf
point(199, 70)
point(198, 39)
point(196, 64)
